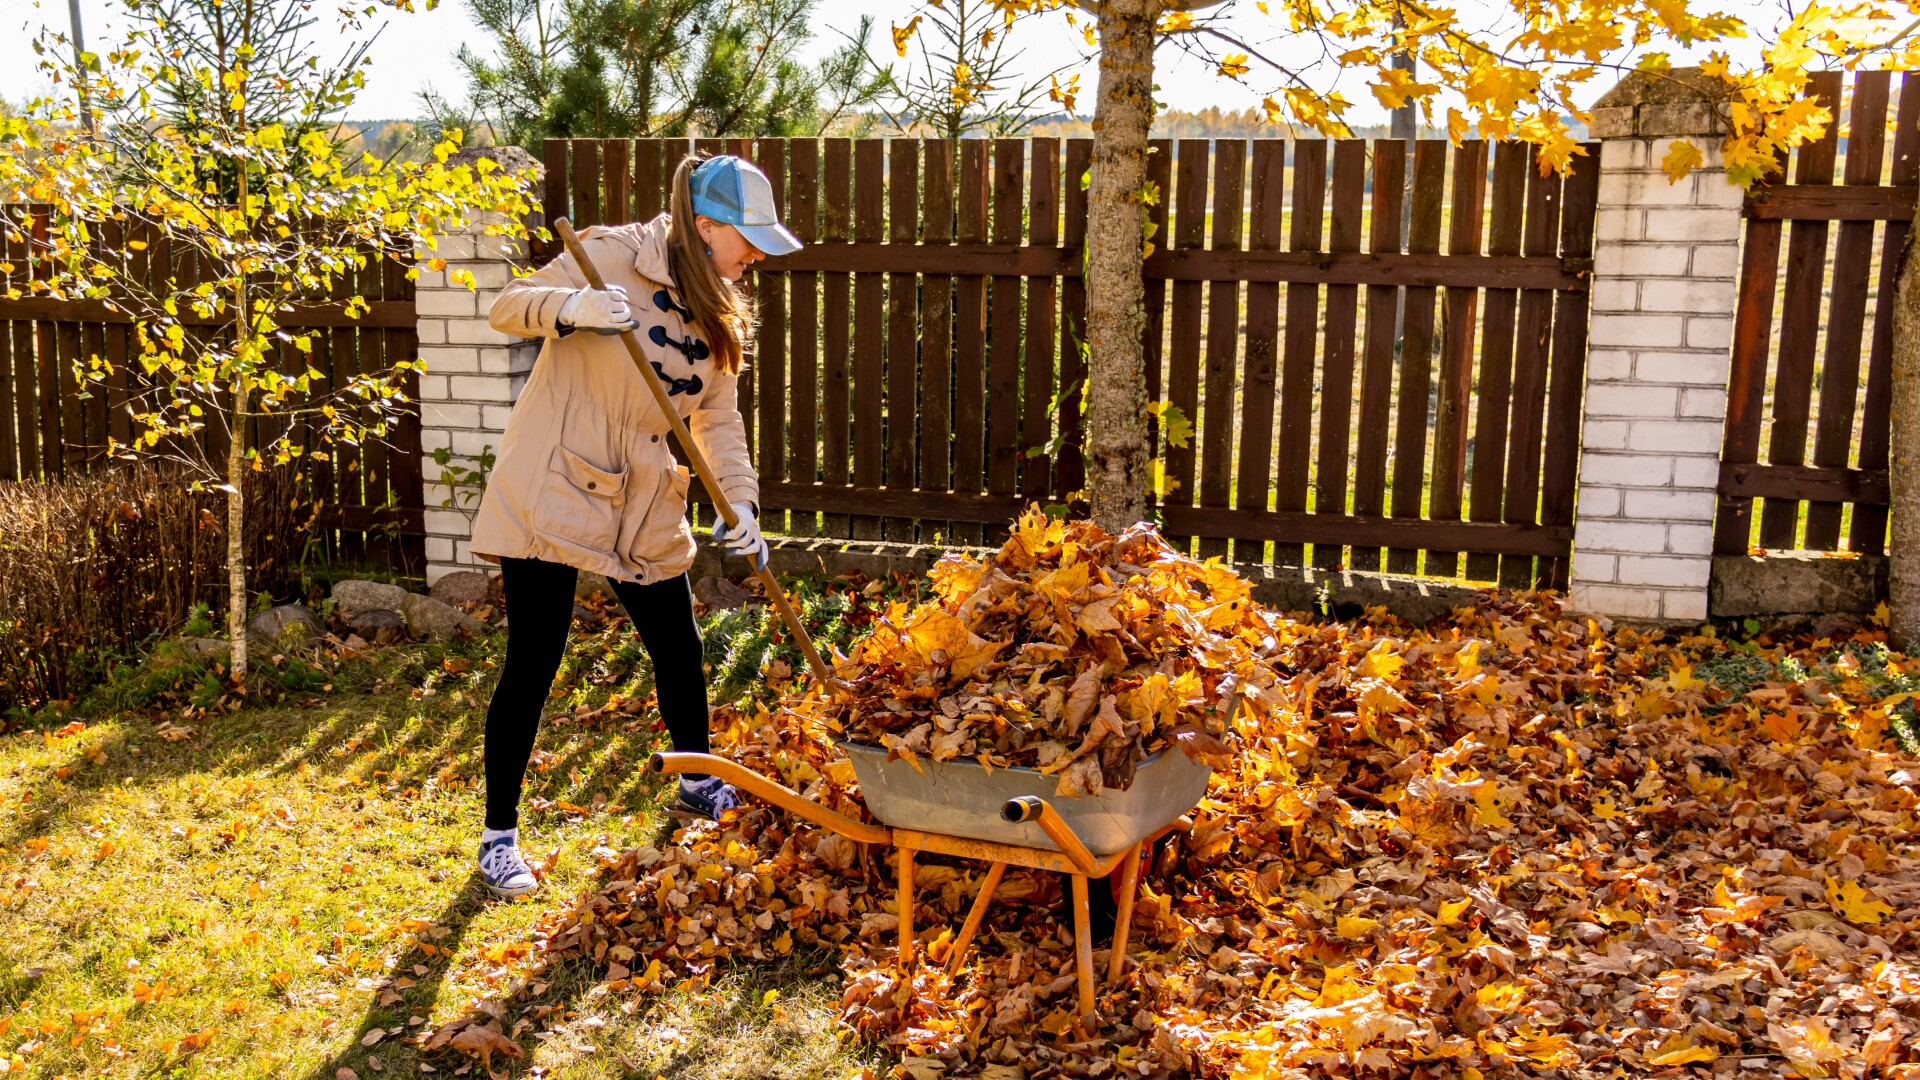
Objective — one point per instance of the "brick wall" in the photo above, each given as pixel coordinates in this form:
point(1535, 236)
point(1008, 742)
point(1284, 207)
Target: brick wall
point(1666, 262)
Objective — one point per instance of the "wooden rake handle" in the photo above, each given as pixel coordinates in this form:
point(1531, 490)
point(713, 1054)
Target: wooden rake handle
point(698, 460)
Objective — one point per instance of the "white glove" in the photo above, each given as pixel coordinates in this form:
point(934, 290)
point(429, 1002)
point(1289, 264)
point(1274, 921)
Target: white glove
point(747, 539)
point(603, 311)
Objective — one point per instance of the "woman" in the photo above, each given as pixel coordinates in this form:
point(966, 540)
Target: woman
point(585, 480)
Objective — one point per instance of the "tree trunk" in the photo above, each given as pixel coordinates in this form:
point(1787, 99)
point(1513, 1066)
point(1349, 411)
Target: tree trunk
point(236, 549)
point(1903, 569)
point(1116, 426)
point(237, 468)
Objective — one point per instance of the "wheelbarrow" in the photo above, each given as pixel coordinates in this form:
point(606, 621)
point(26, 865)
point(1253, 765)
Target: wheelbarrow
point(1003, 817)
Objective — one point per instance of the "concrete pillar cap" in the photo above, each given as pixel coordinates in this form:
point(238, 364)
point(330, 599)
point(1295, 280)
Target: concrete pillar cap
point(1651, 105)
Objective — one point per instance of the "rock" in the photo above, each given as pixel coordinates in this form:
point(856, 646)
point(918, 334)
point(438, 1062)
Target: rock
point(1838, 627)
point(719, 594)
point(368, 595)
point(437, 621)
point(463, 587)
point(369, 623)
point(589, 583)
point(287, 624)
point(206, 648)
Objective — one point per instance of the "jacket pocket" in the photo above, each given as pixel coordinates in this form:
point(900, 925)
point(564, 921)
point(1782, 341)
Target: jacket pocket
point(662, 536)
point(580, 501)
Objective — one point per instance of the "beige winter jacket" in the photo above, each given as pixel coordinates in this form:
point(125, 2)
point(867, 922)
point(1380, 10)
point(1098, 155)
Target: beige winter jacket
point(583, 475)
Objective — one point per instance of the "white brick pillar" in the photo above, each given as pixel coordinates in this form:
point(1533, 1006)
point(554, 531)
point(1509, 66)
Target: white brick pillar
point(473, 375)
point(1666, 260)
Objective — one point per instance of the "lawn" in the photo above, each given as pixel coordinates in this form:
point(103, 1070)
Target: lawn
point(287, 890)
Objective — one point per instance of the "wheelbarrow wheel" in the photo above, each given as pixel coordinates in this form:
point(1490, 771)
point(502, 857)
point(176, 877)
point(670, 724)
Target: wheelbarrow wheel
point(1103, 904)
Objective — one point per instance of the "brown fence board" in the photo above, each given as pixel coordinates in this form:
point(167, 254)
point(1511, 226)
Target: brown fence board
point(836, 229)
point(1560, 461)
point(1343, 305)
point(970, 337)
point(903, 329)
point(1183, 347)
point(770, 362)
point(1461, 304)
point(1868, 534)
point(1260, 381)
point(869, 360)
point(1003, 326)
point(1416, 351)
point(649, 187)
point(1800, 305)
point(936, 326)
point(1294, 460)
point(1377, 361)
point(1532, 348)
point(1215, 423)
point(1070, 466)
point(1847, 314)
point(1037, 370)
point(1160, 235)
point(1494, 390)
point(803, 214)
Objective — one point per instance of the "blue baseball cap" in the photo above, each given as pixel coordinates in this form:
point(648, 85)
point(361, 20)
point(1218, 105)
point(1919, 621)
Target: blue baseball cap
point(734, 191)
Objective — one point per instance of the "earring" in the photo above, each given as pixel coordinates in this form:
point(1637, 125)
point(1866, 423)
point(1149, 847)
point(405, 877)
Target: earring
point(709, 252)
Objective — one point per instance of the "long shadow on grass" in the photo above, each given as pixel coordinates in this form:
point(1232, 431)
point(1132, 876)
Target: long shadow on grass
point(426, 971)
point(277, 739)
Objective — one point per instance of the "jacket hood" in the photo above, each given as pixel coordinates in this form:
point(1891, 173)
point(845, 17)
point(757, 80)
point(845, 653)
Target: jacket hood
point(648, 242)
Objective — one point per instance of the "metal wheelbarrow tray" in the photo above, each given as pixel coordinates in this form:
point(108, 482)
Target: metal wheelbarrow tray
point(961, 797)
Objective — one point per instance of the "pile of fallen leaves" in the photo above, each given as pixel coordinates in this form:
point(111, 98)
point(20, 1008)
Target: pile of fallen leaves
point(1070, 650)
point(1513, 843)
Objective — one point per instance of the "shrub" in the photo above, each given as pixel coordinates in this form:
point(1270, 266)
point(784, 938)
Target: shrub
point(93, 567)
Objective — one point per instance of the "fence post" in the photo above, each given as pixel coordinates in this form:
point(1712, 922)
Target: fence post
point(473, 375)
point(1666, 261)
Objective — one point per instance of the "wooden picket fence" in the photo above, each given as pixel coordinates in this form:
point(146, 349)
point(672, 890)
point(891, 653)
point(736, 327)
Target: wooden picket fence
point(918, 373)
point(1803, 323)
point(51, 426)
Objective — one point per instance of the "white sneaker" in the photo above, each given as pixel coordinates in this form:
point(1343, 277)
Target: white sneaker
point(502, 868)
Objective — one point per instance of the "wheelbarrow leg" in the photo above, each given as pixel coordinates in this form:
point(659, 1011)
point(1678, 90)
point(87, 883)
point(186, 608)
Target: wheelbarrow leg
point(1083, 947)
point(905, 902)
point(1123, 919)
point(974, 917)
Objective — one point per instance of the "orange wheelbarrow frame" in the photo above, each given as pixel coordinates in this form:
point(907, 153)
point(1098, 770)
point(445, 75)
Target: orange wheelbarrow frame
point(1073, 859)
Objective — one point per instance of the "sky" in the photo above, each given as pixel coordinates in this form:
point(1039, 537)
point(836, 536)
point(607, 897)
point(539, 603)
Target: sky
point(414, 52)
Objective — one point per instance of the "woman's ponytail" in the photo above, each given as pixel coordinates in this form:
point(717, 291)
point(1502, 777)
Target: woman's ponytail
point(721, 311)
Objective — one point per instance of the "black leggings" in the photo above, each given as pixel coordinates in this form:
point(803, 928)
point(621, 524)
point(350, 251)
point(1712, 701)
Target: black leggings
point(539, 614)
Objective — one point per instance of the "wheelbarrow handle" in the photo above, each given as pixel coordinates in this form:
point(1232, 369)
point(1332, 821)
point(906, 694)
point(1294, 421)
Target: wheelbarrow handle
point(776, 793)
point(1036, 809)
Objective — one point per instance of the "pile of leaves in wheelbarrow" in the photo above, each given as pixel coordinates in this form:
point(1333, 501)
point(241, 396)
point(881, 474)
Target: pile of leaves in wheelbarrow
point(1071, 651)
point(1508, 844)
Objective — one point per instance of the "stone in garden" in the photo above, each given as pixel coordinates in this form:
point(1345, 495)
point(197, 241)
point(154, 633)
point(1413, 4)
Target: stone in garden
point(368, 595)
point(463, 587)
point(291, 624)
point(369, 622)
point(589, 583)
point(436, 621)
point(719, 594)
point(206, 648)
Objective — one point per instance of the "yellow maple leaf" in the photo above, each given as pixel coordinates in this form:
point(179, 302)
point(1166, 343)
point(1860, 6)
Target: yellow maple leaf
point(1383, 661)
point(1680, 1050)
point(1605, 810)
point(1355, 927)
point(1234, 65)
point(1851, 901)
point(1682, 158)
point(1452, 910)
point(1486, 807)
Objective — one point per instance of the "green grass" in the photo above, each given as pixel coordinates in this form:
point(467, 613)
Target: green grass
point(257, 899)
